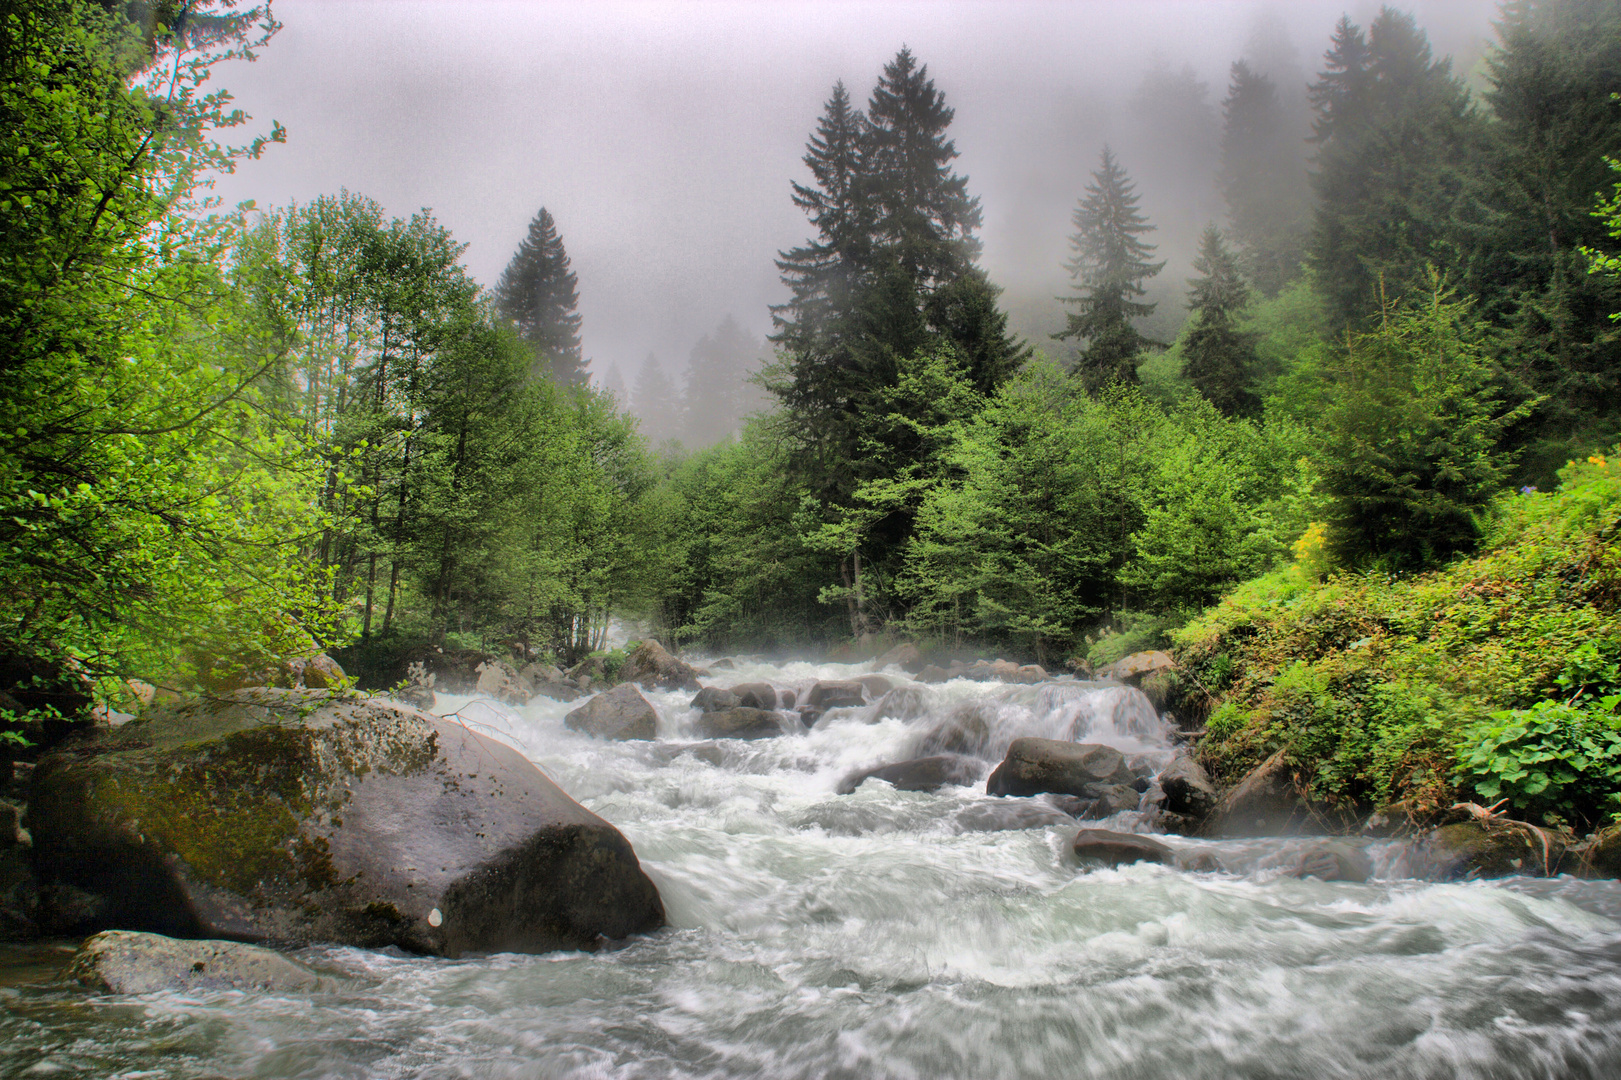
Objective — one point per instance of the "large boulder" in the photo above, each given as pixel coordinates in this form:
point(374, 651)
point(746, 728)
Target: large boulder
point(1137, 665)
point(713, 699)
point(1034, 766)
point(1118, 849)
point(740, 723)
point(1333, 860)
point(1188, 790)
point(620, 713)
point(758, 695)
point(1271, 801)
point(301, 816)
point(835, 694)
point(906, 656)
point(876, 686)
point(1476, 849)
point(130, 962)
point(902, 703)
point(499, 680)
point(967, 730)
point(651, 666)
point(919, 774)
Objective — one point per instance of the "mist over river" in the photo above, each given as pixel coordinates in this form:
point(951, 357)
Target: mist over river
point(900, 934)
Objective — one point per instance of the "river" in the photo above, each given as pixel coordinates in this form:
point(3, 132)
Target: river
point(893, 934)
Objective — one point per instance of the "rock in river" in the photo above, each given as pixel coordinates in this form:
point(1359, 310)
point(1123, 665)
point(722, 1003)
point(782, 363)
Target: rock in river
point(653, 667)
point(919, 774)
point(740, 723)
point(303, 816)
point(1034, 766)
point(130, 962)
point(620, 713)
point(1118, 849)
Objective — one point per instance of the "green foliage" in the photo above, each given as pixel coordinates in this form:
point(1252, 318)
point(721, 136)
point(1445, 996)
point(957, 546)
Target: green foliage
point(539, 295)
point(1377, 687)
point(1553, 758)
point(1413, 433)
point(1218, 358)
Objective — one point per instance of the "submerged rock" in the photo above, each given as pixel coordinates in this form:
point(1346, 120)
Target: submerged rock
point(1119, 849)
point(1009, 814)
point(965, 731)
point(1333, 860)
point(131, 962)
point(1474, 849)
point(919, 774)
point(300, 816)
point(876, 686)
point(740, 723)
point(906, 656)
point(620, 713)
point(1033, 766)
point(902, 703)
point(651, 666)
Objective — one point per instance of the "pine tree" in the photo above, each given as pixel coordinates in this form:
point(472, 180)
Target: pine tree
point(1219, 359)
point(613, 384)
point(1109, 268)
point(717, 391)
point(1398, 141)
point(1263, 178)
point(654, 402)
point(538, 294)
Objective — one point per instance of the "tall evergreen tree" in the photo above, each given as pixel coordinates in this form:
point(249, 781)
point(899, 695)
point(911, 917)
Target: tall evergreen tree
point(654, 401)
point(539, 294)
point(1552, 76)
point(1109, 268)
point(1218, 358)
point(613, 384)
point(1263, 179)
point(717, 394)
point(1397, 140)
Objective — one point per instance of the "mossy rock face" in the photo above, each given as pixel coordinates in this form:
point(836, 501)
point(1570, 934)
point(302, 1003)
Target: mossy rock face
point(1470, 850)
point(301, 816)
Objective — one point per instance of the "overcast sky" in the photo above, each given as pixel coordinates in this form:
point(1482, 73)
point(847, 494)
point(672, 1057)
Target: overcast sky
point(663, 136)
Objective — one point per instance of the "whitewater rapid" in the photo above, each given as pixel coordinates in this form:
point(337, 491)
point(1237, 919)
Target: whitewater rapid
point(893, 934)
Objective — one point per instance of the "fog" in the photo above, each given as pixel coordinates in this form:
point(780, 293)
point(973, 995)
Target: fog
point(663, 137)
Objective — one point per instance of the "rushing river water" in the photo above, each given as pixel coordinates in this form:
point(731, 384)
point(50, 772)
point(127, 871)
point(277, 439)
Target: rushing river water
point(899, 934)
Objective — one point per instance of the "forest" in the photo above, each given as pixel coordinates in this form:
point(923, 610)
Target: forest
point(229, 436)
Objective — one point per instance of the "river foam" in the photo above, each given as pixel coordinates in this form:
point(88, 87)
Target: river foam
point(874, 935)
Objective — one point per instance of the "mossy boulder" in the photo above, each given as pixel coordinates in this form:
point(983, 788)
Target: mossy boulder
point(303, 816)
point(1474, 849)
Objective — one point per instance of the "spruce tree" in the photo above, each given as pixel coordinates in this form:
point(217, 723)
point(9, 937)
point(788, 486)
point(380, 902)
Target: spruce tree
point(1551, 83)
point(1218, 358)
point(717, 395)
point(1109, 268)
point(654, 402)
point(1397, 144)
point(1263, 178)
point(539, 295)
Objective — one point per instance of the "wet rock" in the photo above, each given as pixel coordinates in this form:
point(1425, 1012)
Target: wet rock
point(1008, 814)
point(1270, 802)
point(1472, 849)
point(902, 703)
point(966, 731)
point(786, 699)
point(933, 673)
point(1009, 672)
point(876, 686)
point(302, 816)
point(1104, 800)
point(1333, 861)
point(1188, 790)
point(835, 694)
point(713, 699)
point(557, 690)
point(740, 723)
point(756, 695)
point(1137, 665)
point(1199, 862)
point(651, 666)
point(1033, 766)
point(593, 669)
point(1119, 849)
point(725, 663)
point(538, 672)
point(808, 716)
point(620, 713)
point(1601, 856)
point(499, 680)
point(919, 774)
point(906, 656)
point(130, 962)
point(1030, 673)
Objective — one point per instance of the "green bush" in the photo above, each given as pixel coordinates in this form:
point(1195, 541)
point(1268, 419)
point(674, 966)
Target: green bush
point(1555, 759)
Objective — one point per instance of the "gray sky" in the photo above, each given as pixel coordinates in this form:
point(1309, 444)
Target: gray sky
point(663, 136)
